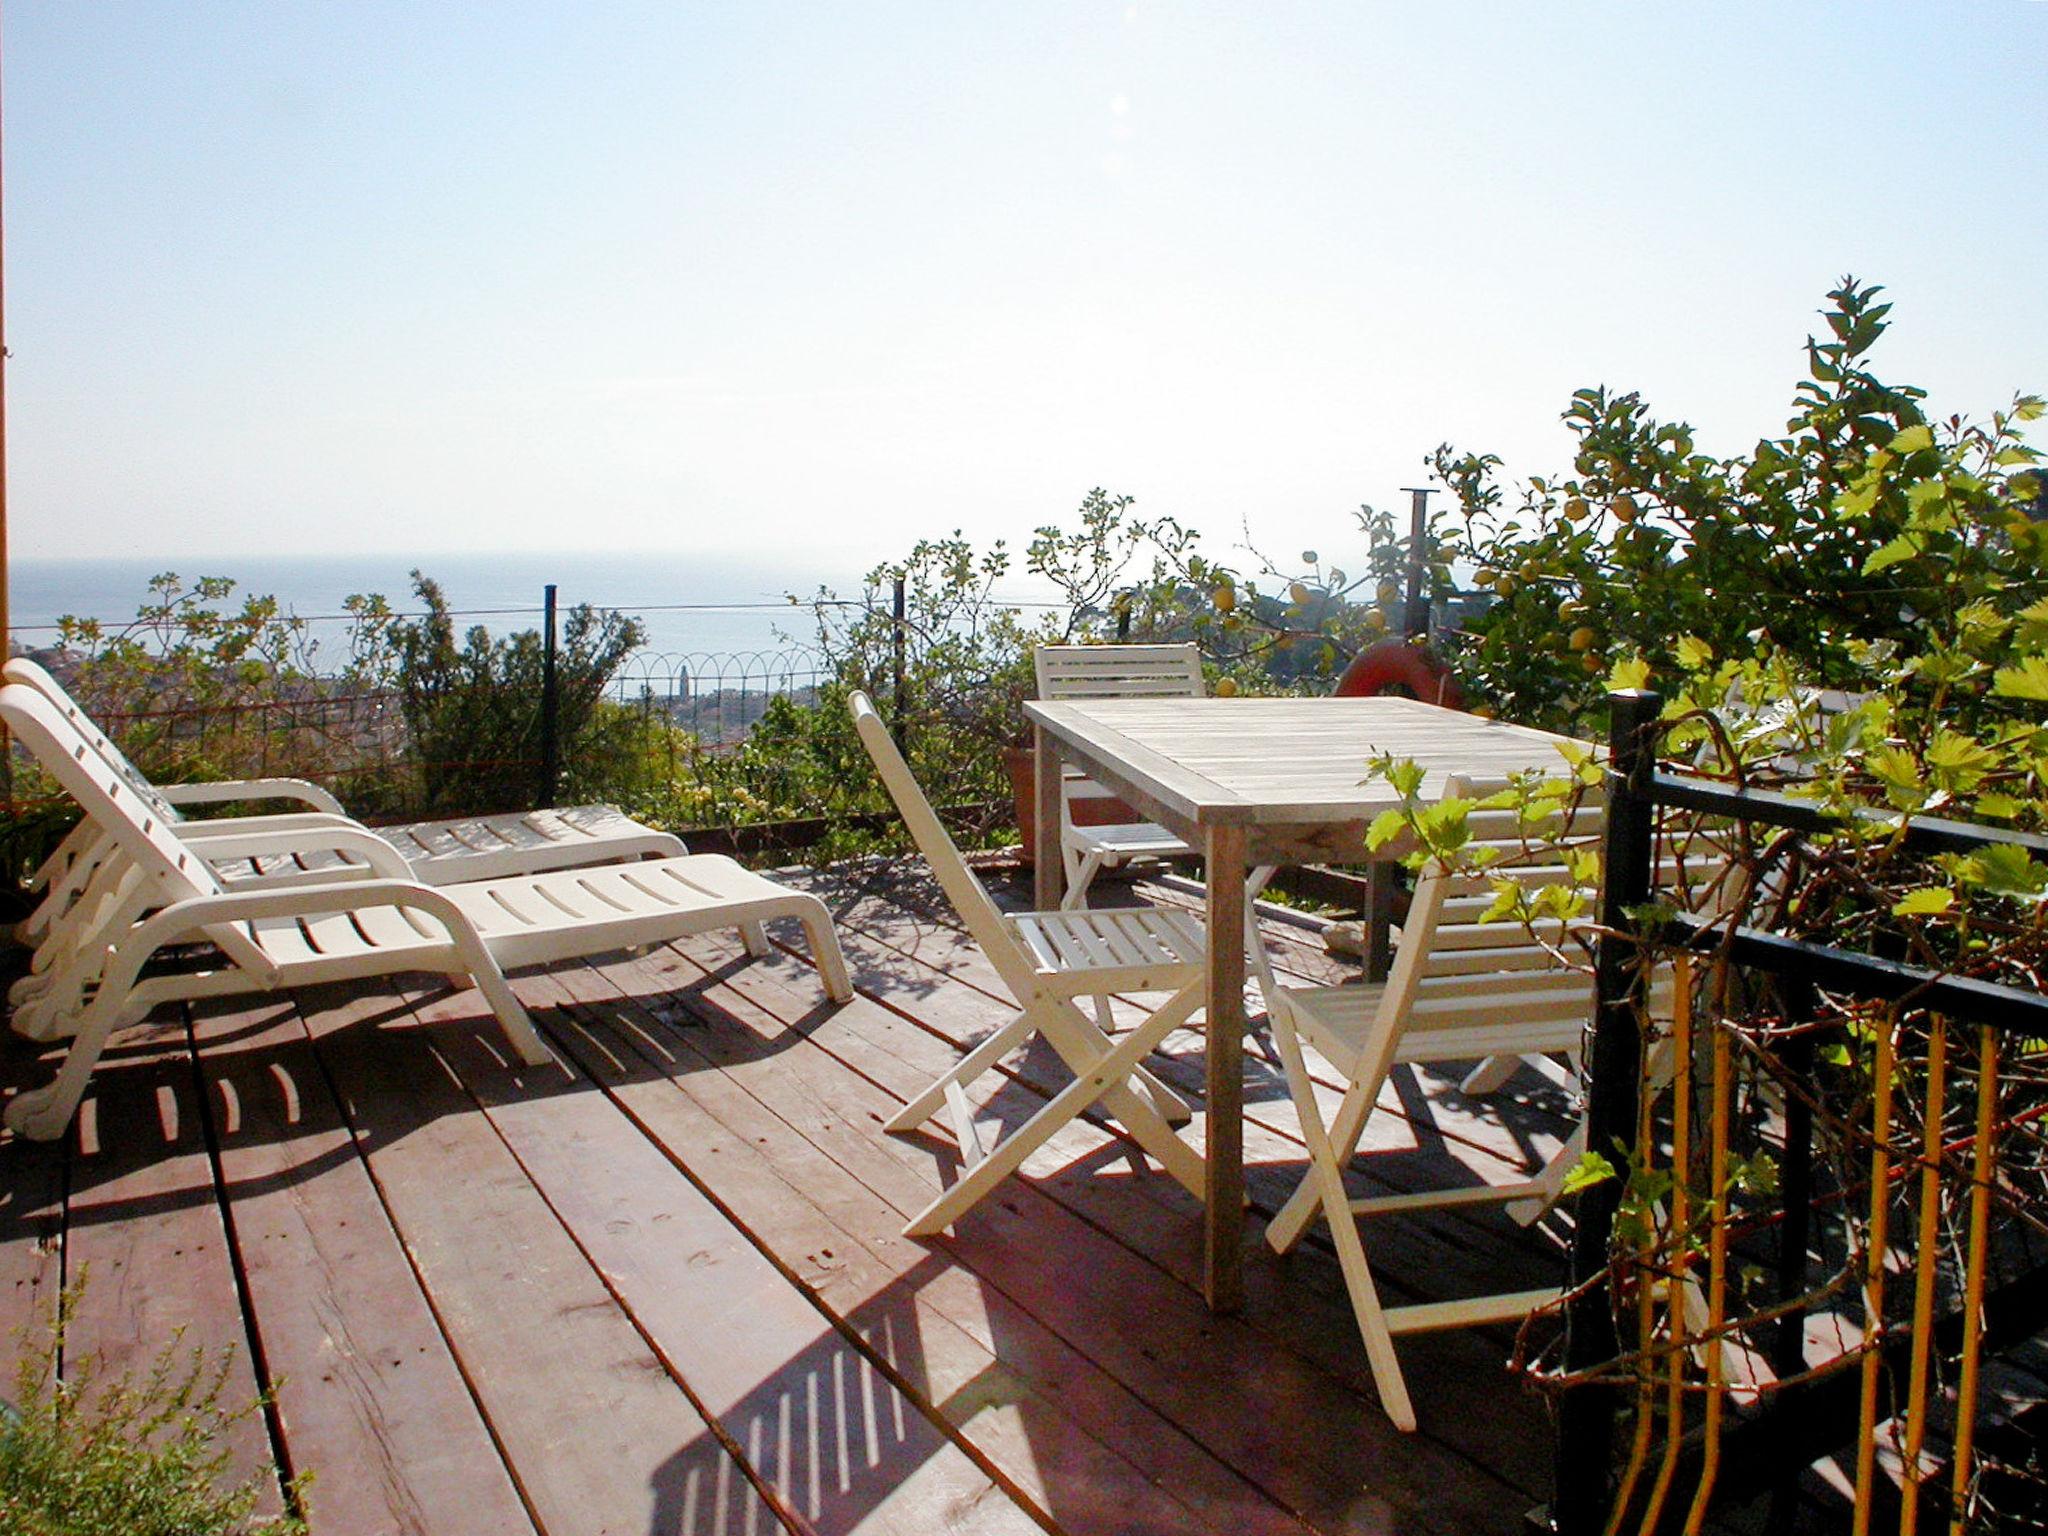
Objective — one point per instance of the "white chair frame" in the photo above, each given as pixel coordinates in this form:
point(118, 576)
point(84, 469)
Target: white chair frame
point(1049, 960)
point(436, 852)
point(1112, 672)
point(1458, 989)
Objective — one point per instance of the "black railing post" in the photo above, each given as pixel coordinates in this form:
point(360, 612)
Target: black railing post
point(1415, 613)
point(1585, 1417)
point(550, 705)
point(899, 646)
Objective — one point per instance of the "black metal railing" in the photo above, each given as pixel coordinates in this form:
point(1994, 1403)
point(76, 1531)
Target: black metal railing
point(1817, 1410)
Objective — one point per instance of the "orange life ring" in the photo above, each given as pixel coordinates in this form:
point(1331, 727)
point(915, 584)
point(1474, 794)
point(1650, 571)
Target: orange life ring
point(1397, 664)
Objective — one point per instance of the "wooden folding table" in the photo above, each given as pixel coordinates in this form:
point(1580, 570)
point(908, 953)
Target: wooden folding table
point(1252, 782)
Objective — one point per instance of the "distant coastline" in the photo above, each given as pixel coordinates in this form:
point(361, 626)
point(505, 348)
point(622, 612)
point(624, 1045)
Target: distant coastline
point(687, 605)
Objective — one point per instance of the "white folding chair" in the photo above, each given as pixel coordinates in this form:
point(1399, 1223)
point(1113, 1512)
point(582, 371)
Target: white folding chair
point(1458, 989)
point(1048, 960)
point(160, 893)
point(1112, 672)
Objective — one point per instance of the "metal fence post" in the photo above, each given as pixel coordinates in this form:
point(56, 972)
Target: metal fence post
point(550, 705)
point(1585, 1415)
point(1415, 613)
point(900, 639)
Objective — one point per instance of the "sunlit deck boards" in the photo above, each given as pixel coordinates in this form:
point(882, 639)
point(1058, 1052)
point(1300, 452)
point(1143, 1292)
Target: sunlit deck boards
point(660, 1287)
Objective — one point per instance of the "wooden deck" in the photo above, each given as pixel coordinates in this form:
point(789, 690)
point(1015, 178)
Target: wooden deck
point(660, 1288)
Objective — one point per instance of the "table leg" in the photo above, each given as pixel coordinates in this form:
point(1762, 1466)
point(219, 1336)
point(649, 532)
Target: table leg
point(1049, 873)
point(1223, 1233)
point(1384, 891)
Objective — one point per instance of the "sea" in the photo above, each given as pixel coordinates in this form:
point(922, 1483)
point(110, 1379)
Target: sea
point(688, 606)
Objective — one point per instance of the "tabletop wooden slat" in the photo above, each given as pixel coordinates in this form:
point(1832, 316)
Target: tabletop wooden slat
point(1281, 762)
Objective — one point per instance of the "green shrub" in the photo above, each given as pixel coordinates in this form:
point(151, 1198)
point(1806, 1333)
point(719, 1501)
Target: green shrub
point(1866, 524)
point(87, 1457)
point(473, 712)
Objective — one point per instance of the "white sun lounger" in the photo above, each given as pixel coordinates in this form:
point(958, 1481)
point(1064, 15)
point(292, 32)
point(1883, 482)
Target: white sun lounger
point(437, 852)
point(156, 891)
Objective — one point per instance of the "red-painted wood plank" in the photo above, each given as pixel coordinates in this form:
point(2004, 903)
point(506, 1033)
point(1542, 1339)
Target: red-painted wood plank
point(143, 1230)
point(1312, 1444)
point(838, 1442)
point(596, 1435)
point(1084, 1450)
point(31, 1207)
point(370, 1397)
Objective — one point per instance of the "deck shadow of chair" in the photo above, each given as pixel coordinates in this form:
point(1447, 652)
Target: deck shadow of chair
point(349, 930)
point(1459, 989)
point(1048, 961)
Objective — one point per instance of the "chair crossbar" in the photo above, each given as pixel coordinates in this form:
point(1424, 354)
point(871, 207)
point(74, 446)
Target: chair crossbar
point(1435, 1316)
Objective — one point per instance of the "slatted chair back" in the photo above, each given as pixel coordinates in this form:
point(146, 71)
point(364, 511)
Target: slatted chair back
point(983, 918)
point(111, 800)
point(1118, 671)
point(19, 669)
point(1454, 970)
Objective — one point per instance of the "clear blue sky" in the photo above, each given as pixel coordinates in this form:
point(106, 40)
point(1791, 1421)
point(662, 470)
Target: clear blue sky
point(430, 276)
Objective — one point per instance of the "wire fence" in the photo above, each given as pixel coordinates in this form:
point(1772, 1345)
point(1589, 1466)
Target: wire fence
point(669, 739)
point(716, 698)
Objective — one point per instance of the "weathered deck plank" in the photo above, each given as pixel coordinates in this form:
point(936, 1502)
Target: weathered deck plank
point(597, 1436)
point(31, 1208)
point(143, 1230)
point(1056, 1425)
point(633, 1291)
point(1350, 1469)
point(366, 1379)
point(838, 1443)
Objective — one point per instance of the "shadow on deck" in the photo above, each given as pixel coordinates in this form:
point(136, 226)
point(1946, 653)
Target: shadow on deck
point(660, 1286)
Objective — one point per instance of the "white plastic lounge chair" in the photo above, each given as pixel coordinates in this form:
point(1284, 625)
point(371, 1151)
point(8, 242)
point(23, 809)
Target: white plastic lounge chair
point(381, 925)
point(1048, 960)
point(1458, 989)
point(1112, 672)
point(437, 852)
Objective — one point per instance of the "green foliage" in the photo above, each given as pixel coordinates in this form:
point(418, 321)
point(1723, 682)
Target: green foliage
point(1865, 523)
point(198, 688)
point(1263, 627)
point(966, 656)
point(473, 712)
point(89, 1456)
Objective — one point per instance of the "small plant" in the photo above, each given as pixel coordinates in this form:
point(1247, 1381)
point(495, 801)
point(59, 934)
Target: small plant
point(86, 1457)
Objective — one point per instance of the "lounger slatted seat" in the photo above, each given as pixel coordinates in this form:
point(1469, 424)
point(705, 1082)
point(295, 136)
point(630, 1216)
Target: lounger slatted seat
point(154, 892)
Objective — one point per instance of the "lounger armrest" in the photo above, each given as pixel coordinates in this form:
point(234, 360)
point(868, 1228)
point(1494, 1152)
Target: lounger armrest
point(182, 921)
point(302, 790)
point(345, 839)
point(280, 821)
